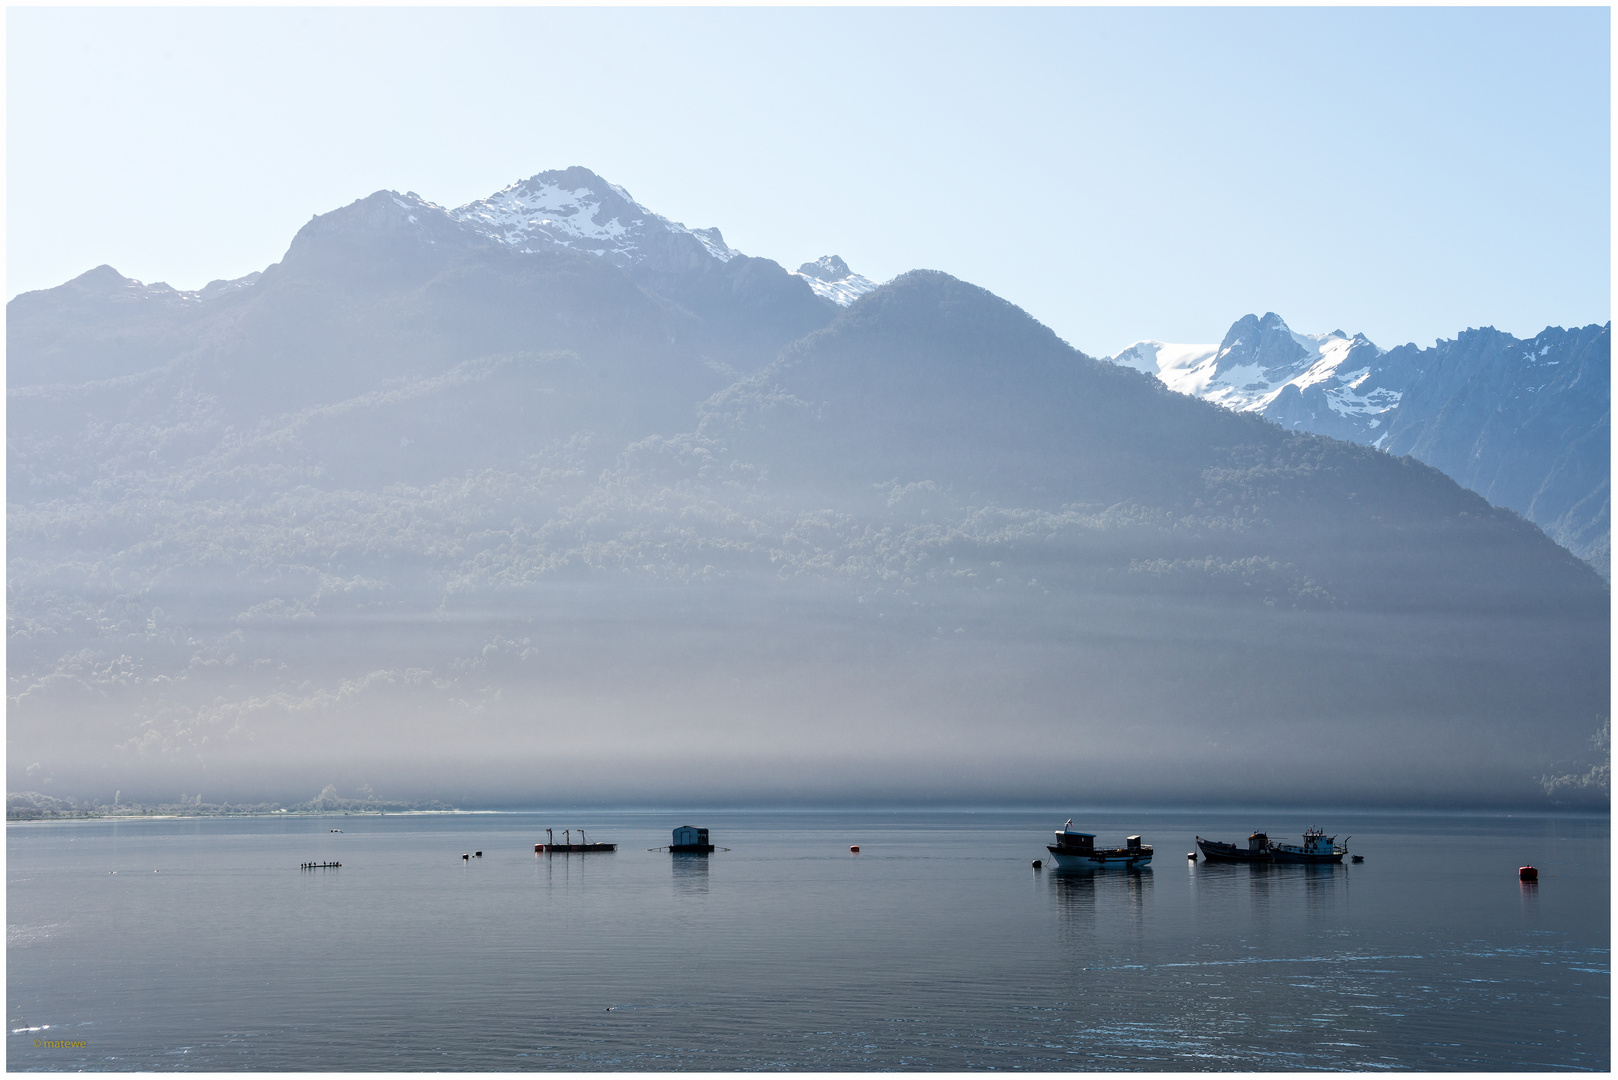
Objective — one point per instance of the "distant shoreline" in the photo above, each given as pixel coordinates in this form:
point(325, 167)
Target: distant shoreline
point(173, 815)
point(1268, 812)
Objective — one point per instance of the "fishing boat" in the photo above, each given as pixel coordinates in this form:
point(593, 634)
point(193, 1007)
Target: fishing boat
point(1075, 850)
point(1316, 848)
point(570, 848)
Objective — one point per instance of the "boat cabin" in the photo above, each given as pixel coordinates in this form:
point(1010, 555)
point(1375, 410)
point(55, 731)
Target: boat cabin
point(1258, 841)
point(1077, 842)
point(1316, 842)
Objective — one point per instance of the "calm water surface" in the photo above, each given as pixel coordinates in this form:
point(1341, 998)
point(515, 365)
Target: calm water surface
point(936, 947)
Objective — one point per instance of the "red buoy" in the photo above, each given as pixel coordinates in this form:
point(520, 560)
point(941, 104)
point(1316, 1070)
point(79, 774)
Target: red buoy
point(855, 849)
point(1527, 873)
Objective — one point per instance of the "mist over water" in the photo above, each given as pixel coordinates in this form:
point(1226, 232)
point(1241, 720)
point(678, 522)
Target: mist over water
point(613, 696)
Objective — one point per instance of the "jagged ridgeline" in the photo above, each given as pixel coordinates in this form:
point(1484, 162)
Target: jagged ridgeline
point(1525, 424)
point(549, 497)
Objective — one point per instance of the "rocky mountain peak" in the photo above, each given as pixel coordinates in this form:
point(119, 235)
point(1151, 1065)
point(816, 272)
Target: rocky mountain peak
point(1267, 343)
point(826, 268)
point(102, 279)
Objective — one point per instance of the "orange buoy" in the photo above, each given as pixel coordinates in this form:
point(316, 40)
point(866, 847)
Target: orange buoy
point(1527, 873)
point(855, 849)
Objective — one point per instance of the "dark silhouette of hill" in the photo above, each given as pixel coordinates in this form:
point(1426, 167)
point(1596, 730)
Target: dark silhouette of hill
point(931, 379)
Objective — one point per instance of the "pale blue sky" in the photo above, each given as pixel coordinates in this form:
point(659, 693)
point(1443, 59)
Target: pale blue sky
point(1119, 173)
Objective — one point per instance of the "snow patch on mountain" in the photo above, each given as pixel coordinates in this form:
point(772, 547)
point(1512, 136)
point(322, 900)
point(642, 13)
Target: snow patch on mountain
point(1185, 368)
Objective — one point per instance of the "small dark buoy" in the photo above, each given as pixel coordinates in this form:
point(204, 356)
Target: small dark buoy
point(1356, 858)
point(465, 857)
point(1191, 855)
point(1038, 863)
point(1527, 873)
point(477, 854)
point(855, 849)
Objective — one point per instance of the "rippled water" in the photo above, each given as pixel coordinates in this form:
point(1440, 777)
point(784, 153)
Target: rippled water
point(201, 945)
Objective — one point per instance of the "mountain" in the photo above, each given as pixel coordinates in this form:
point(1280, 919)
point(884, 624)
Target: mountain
point(467, 508)
point(1526, 424)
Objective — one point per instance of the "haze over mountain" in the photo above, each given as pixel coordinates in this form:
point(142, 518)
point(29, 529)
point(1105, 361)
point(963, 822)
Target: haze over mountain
point(1525, 424)
point(551, 499)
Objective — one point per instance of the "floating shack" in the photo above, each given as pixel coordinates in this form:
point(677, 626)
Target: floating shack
point(688, 839)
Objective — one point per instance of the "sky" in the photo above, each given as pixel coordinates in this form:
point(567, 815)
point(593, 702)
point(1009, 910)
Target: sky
point(1119, 173)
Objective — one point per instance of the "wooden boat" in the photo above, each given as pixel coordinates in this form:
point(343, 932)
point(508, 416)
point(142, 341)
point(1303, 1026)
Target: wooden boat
point(570, 848)
point(1077, 850)
point(1317, 848)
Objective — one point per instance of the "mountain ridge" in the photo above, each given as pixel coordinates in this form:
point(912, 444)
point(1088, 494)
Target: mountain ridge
point(444, 509)
point(1525, 423)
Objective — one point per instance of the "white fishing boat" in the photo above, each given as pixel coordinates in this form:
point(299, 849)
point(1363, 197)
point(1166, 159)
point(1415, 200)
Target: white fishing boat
point(1076, 850)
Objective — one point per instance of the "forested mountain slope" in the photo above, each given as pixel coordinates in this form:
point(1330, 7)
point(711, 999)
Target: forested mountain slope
point(462, 518)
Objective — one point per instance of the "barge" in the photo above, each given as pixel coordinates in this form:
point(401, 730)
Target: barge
point(584, 846)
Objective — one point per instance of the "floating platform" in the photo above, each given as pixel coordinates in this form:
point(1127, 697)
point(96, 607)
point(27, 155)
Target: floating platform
point(571, 849)
point(568, 847)
point(320, 866)
point(691, 849)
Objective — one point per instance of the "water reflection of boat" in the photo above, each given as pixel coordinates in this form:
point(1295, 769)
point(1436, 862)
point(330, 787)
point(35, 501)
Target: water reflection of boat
point(1077, 851)
point(690, 872)
point(1316, 848)
point(1081, 895)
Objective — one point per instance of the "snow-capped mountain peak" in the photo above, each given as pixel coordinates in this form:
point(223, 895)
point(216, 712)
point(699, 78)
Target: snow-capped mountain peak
point(829, 276)
point(574, 208)
point(1264, 366)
